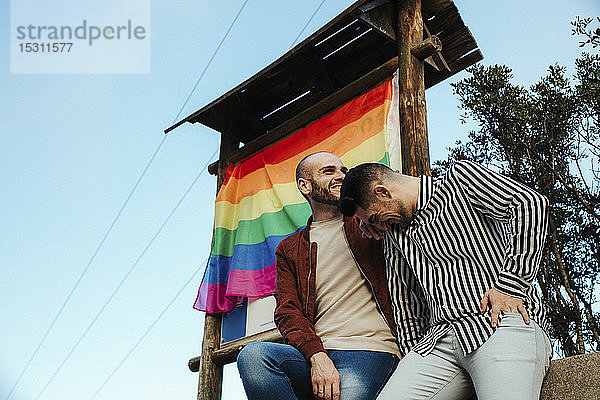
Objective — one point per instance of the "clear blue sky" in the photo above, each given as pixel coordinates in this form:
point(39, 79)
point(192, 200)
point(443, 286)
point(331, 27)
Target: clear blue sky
point(74, 145)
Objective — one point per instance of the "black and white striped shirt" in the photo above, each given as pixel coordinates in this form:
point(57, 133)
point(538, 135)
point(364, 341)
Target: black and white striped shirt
point(473, 230)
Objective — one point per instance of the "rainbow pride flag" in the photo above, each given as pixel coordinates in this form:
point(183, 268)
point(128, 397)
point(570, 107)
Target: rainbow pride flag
point(259, 204)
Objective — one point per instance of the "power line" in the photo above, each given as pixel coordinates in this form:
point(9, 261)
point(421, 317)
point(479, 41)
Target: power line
point(211, 59)
point(118, 287)
point(142, 175)
point(85, 269)
point(114, 371)
point(308, 23)
point(135, 346)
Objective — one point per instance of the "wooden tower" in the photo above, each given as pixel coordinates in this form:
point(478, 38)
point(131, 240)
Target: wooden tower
point(425, 40)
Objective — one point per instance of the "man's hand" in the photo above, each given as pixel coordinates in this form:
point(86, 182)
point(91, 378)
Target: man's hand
point(325, 377)
point(500, 302)
point(370, 231)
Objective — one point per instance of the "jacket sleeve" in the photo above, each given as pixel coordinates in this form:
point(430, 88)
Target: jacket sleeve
point(522, 213)
point(296, 329)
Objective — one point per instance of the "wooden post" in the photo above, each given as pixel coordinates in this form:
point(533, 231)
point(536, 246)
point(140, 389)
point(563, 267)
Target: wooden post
point(411, 93)
point(210, 381)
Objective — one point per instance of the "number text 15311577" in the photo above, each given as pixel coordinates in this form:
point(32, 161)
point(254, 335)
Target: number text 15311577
point(45, 47)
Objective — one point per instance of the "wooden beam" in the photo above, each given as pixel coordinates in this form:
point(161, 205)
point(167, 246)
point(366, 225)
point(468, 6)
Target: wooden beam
point(427, 48)
point(437, 60)
point(228, 352)
point(213, 168)
point(229, 145)
point(411, 93)
point(380, 17)
point(210, 380)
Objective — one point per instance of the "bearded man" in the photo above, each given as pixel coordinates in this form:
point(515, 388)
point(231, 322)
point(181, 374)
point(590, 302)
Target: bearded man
point(333, 306)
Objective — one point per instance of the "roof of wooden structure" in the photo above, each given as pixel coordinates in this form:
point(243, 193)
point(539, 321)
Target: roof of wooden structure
point(348, 56)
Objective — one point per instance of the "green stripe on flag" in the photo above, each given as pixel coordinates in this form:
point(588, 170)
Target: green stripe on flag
point(282, 222)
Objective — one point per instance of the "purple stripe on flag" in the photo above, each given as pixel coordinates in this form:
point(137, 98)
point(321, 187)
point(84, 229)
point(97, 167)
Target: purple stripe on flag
point(220, 297)
point(212, 299)
point(252, 283)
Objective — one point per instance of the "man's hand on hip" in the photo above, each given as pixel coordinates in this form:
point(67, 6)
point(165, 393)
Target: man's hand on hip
point(500, 302)
point(325, 377)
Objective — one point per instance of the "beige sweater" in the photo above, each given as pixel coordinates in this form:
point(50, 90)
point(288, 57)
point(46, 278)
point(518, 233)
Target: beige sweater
point(346, 317)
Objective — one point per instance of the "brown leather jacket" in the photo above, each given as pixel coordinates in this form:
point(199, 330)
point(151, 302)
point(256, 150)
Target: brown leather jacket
point(295, 293)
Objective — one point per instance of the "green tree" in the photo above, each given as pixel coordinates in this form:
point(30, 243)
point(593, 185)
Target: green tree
point(581, 26)
point(548, 137)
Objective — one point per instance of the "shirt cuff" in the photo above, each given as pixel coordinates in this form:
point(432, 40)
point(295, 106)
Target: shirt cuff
point(511, 285)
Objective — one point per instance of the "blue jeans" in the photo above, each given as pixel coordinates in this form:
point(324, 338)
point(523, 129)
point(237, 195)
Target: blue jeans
point(511, 364)
point(280, 372)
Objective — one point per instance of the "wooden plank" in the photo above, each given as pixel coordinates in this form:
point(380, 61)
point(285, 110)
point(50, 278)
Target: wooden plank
point(445, 20)
point(245, 124)
point(373, 4)
point(253, 128)
point(229, 145)
point(458, 44)
point(266, 92)
point(317, 93)
point(351, 71)
point(433, 7)
point(354, 30)
point(411, 91)
point(268, 95)
point(381, 18)
point(228, 353)
point(330, 84)
point(355, 48)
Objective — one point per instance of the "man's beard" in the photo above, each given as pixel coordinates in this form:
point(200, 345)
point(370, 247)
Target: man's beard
point(321, 195)
point(404, 217)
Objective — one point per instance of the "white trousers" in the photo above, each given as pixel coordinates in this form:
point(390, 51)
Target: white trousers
point(510, 365)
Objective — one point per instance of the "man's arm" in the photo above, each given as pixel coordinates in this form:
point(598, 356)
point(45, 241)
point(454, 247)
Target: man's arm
point(412, 312)
point(299, 332)
point(525, 213)
point(290, 319)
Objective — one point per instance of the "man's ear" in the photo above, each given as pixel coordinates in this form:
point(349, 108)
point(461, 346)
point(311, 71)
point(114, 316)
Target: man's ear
point(304, 186)
point(382, 192)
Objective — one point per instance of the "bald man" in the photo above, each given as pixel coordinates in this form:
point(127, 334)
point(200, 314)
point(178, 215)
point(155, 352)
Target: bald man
point(333, 306)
